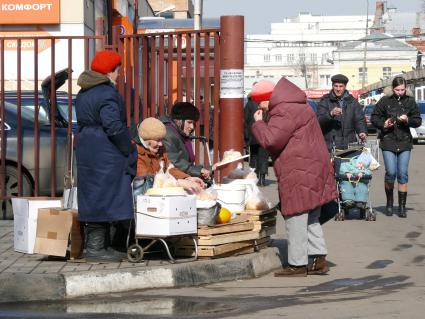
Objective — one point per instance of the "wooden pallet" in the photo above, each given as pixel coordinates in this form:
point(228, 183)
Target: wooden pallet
point(225, 228)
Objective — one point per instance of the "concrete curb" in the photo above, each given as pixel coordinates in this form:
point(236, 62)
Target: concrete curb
point(27, 287)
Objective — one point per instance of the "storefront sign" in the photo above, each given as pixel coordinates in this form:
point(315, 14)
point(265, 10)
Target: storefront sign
point(27, 40)
point(29, 12)
point(231, 84)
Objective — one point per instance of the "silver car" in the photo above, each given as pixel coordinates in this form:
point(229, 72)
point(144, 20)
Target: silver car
point(418, 133)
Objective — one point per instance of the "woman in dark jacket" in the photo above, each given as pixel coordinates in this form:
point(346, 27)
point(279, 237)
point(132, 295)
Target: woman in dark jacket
point(304, 172)
point(393, 116)
point(104, 155)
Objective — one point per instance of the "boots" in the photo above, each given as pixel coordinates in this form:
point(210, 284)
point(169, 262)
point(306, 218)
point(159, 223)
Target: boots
point(319, 266)
point(292, 271)
point(390, 199)
point(402, 204)
point(262, 180)
point(97, 250)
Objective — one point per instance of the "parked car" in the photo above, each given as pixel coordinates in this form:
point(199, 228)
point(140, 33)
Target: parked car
point(368, 114)
point(28, 147)
point(418, 133)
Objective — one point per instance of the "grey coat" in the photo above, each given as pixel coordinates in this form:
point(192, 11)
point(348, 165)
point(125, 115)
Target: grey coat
point(341, 129)
point(176, 149)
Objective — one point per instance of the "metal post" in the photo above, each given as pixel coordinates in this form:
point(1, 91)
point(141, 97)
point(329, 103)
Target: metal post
point(231, 86)
point(365, 45)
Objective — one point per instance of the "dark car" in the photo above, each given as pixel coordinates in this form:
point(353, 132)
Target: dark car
point(368, 113)
point(28, 147)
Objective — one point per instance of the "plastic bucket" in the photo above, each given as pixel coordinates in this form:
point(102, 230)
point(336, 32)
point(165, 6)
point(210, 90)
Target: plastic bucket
point(232, 197)
point(208, 216)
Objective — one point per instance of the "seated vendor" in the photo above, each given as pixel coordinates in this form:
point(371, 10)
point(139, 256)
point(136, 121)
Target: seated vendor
point(151, 152)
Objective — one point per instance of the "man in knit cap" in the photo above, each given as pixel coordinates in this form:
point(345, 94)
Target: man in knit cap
point(151, 151)
point(105, 155)
point(178, 142)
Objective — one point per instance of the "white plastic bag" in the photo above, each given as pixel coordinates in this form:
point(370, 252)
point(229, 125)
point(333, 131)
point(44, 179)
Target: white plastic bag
point(163, 180)
point(255, 199)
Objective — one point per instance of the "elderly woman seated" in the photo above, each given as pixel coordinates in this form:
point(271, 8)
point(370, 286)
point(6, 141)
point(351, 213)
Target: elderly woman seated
point(151, 152)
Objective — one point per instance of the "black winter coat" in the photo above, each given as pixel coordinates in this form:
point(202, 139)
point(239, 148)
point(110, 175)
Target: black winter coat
point(250, 108)
point(343, 128)
point(398, 137)
point(104, 152)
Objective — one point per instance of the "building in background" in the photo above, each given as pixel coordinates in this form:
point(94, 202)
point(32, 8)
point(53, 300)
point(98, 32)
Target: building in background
point(172, 9)
point(60, 18)
point(300, 49)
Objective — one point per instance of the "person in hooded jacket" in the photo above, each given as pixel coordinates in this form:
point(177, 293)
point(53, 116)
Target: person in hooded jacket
point(292, 136)
point(394, 115)
point(341, 116)
point(106, 157)
point(178, 142)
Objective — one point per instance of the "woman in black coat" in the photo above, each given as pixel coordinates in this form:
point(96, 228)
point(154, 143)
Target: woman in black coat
point(394, 115)
point(104, 156)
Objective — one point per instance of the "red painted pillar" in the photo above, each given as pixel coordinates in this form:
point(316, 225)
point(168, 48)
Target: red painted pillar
point(231, 86)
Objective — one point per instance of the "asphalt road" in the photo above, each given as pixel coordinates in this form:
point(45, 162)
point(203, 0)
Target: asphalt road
point(377, 271)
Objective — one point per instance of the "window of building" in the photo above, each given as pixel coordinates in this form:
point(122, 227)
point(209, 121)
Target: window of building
point(313, 58)
point(325, 80)
point(301, 57)
point(278, 58)
point(386, 72)
point(290, 58)
point(362, 73)
point(325, 57)
point(267, 57)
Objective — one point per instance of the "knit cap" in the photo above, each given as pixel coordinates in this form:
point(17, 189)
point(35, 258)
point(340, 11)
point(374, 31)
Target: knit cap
point(262, 91)
point(105, 61)
point(151, 129)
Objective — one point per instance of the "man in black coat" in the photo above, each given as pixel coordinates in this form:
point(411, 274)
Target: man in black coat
point(340, 115)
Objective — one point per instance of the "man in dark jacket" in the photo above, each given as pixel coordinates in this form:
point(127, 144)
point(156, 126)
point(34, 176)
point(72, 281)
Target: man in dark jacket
point(258, 156)
point(178, 142)
point(104, 154)
point(340, 115)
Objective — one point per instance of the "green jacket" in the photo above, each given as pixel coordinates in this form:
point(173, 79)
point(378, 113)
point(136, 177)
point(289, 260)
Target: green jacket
point(176, 150)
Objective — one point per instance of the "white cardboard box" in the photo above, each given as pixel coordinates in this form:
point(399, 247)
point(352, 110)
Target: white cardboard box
point(25, 211)
point(166, 215)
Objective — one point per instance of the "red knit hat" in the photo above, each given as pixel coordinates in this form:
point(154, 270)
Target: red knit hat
point(105, 61)
point(262, 91)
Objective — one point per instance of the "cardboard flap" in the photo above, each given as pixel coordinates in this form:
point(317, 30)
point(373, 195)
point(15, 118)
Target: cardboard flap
point(53, 228)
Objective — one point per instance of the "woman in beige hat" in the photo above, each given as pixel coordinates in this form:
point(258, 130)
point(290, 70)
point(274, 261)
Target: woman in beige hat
point(151, 152)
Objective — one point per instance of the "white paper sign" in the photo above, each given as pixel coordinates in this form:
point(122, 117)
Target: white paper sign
point(231, 84)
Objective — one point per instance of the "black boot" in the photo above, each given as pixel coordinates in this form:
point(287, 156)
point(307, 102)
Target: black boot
point(262, 180)
point(390, 199)
point(402, 204)
point(96, 245)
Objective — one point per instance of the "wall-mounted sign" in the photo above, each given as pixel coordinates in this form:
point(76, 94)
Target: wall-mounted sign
point(231, 84)
point(27, 40)
point(29, 12)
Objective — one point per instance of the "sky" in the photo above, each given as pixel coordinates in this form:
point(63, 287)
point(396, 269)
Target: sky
point(260, 13)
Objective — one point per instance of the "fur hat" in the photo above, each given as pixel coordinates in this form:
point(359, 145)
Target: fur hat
point(262, 91)
point(339, 78)
point(151, 129)
point(184, 111)
point(105, 61)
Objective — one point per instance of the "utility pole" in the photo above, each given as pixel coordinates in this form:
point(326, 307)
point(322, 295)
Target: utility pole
point(365, 45)
point(197, 26)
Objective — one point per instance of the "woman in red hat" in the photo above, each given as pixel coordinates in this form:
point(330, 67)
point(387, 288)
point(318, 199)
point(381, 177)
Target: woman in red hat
point(105, 155)
point(292, 136)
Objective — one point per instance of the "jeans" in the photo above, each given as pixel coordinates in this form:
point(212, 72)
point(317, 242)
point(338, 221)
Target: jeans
point(396, 165)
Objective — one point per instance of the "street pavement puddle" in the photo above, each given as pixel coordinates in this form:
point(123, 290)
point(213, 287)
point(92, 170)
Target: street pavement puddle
point(164, 306)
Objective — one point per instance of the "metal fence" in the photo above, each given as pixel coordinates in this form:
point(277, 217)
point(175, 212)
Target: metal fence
point(158, 69)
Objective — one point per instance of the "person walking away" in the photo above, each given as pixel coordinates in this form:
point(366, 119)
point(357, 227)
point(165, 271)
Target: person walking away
point(258, 156)
point(105, 157)
point(341, 116)
point(151, 151)
point(178, 143)
point(292, 136)
point(393, 115)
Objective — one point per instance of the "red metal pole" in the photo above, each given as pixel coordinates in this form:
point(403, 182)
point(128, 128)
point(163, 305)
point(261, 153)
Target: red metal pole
point(231, 86)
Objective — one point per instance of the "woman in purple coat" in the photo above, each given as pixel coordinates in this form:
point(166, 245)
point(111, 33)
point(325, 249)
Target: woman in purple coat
point(292, 136)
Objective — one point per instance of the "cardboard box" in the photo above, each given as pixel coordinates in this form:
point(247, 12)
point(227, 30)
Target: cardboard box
point(25, 211)
point(53, 228)
point(76, 237)
point(166, 215)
